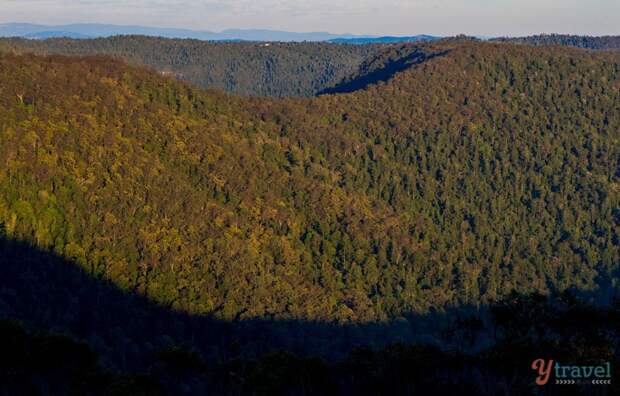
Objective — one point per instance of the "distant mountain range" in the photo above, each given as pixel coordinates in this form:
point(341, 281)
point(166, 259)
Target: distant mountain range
point(384, 40)
point(85, 31)
point(56, 34)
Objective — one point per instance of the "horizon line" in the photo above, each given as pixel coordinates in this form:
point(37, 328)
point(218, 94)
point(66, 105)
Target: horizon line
point(276, 30)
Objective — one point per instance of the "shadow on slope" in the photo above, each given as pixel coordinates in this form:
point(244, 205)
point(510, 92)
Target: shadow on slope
point(49, 292)
point(383, 67)
point(127, 331)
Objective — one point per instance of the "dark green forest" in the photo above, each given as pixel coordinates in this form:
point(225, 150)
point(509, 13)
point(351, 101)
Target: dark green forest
point(488, 169)
point(590, 42)
point(266, 69)
point(258, 69)
point(452, 176)
point(63, 332)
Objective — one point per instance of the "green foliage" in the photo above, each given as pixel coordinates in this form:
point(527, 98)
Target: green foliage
point(257, 69)
point(598, 43)
point(485, 169)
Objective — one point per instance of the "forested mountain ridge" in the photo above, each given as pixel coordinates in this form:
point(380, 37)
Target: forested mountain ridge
point(384, 39)
point(589, 42)
point(484, 169)
point(262, 68)
point(257, 69)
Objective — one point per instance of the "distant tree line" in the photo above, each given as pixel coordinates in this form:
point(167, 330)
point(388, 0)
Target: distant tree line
point(257, 69)
point(590, 42)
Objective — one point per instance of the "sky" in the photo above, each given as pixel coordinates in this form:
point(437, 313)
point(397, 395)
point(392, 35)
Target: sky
point(372, 17)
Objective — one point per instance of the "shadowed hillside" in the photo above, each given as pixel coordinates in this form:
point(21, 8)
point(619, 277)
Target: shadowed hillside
point(382, 68)
point(81, 335)
point(49, 292)
point(256, 69)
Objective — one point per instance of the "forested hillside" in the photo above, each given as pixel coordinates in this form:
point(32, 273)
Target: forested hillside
point(484, 169)
point(267, 69)
point(590, 42)
point(258, 69)
point(178, 233)
point(381, 67)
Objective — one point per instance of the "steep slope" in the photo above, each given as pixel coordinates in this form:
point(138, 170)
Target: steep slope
point(258, 69)
point(484, 169)
point(489, 158)
point(382, 66)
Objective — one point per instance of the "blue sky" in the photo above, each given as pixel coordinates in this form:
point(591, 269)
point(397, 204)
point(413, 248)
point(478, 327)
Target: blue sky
point(395, 17)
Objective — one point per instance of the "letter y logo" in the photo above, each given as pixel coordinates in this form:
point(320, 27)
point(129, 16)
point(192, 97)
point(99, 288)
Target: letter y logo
point(544, 371)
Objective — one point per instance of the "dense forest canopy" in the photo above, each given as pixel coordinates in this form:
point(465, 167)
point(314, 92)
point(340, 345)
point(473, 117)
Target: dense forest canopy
point(459, 193)
point(483, 169)
point(244, 68)
point(267, 68)
point(590, 42)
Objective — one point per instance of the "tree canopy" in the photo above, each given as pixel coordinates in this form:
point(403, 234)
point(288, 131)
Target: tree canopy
point(244, 68)
point(483, 169)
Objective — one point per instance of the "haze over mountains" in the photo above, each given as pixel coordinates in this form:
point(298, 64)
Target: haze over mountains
point(81, 31)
